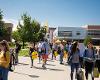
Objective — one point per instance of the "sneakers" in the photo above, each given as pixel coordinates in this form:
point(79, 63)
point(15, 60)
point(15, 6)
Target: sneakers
point(43, 66)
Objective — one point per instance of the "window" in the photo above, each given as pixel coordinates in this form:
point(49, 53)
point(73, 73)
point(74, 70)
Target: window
point(94, 33)
point(65, 33)
point(78, 33)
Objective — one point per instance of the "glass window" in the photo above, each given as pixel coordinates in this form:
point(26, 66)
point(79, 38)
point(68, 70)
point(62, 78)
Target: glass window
point(78, 33)
point(65, 33)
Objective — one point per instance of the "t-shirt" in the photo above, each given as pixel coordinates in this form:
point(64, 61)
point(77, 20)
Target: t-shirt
point(89, 53)
point(40, 47)
point(45, 47)
point(75, 57)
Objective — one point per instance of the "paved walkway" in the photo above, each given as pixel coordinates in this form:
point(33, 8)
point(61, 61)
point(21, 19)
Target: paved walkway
point(54, 71)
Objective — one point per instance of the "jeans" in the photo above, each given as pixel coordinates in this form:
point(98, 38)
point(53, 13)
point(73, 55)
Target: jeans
point(89, 69)
point(61, 57)
point(16, 58)
point(31, 61)
point(74, 66)
point(3, 73)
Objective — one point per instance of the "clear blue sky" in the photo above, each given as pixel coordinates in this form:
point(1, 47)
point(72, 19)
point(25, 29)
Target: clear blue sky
point(57, 12)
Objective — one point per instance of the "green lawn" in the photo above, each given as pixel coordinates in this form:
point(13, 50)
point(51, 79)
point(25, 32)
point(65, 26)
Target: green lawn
point(24, 52)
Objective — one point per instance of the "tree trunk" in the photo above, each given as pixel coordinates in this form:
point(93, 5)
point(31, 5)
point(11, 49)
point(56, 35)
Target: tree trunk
point(23, 44)
point(34, 44)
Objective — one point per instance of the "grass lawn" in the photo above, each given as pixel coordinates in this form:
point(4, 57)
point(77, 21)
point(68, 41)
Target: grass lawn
point(24, 52)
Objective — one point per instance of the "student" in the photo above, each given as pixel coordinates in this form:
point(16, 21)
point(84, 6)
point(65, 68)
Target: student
point(74, 59)
point(45, 52)
point(54, 48)
point(31, 50)
point(17, 49)
point(4, 60)
point(40, 50)
point(82, 49)
point(98, 61)
point(61, 52)
point(89, 56)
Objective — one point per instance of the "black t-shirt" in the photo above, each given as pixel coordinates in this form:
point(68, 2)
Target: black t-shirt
point(31, 50)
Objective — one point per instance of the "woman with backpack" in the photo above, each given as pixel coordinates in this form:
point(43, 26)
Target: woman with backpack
point(89, 56)
point(74, 57)
point(4, 60)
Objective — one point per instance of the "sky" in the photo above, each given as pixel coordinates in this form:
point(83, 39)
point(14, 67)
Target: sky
point(65, 13)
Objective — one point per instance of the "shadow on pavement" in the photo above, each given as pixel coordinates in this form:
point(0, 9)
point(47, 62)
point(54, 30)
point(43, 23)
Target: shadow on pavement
point(55, 69)
point(23, 64)
point(50, 64)
point(33, 76)
point(40, 68)
point(50, 60)
point(47, 64)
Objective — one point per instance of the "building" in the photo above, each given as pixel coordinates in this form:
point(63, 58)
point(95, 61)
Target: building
point(70, 33)
point(94, 32)
point(9, 27)
point(51, 31)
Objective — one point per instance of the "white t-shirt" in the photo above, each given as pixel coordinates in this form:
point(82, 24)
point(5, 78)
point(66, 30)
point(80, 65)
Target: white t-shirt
point(40, 46)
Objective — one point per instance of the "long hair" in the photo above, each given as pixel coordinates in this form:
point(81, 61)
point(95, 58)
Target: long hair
point(5, 45)
point(74, 47)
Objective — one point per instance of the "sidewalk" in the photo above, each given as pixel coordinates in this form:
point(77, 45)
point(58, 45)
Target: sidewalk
point(54, 71)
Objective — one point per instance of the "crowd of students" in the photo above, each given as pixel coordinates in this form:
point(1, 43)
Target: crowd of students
point(78, 56)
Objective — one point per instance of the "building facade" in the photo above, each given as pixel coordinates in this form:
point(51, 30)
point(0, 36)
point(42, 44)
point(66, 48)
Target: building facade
point(70, 33)
point(94, 32)
point(9, 27)
point(51, 31)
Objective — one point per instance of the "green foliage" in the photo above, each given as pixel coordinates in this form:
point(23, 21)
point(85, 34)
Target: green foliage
point(24, 52)
point(1, 24)
point(42, 33)
point(87, 39)
point(15, 35)
point(30, 30)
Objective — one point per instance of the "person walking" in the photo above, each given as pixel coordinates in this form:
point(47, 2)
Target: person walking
point(98, 60)
point(55, 48)
point(40, 50)
point(89, 56)
point(31, 50)
point(45, 52)
point(82, 48)
point(61, 52)
point(17, 49)
point(4, 60)
point(74, 59)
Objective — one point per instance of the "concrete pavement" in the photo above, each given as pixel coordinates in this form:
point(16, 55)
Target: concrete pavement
point(54, 71)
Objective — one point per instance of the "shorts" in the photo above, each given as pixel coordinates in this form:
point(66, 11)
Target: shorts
point(44, 56)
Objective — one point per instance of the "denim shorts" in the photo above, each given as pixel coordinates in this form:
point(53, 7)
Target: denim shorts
point(74, 66)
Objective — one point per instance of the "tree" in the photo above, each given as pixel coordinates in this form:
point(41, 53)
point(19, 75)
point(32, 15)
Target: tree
point(30, 30)
point(87, 39)
point(42, 33)
point(16, 36)
point(1, 24)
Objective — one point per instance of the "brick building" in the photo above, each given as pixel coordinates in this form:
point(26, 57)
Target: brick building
point(9, 27)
